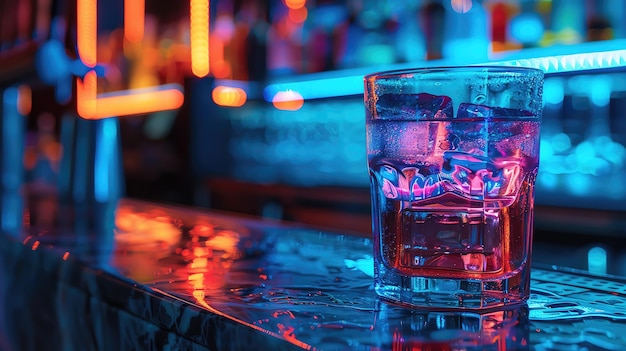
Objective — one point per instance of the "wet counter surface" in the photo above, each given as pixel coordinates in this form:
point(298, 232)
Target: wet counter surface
point(178, 278)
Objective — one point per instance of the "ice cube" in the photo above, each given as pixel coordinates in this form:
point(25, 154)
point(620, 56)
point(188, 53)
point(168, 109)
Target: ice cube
point(424, 187)
point(481, 177)
point(467, 110)
point(466, 135)
point(389, 181)
point(451, 142)
point(465, 160)
point(414, 106)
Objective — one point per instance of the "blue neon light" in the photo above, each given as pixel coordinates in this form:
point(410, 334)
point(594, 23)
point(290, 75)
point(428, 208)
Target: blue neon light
point(600, 55)
point(320, 88)
point(104, 159)
point(573, 62)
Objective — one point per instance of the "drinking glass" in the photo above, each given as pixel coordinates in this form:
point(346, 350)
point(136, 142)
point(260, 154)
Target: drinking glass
point(453, 155)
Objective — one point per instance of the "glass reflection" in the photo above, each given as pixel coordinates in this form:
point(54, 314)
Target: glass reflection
point(401, 329)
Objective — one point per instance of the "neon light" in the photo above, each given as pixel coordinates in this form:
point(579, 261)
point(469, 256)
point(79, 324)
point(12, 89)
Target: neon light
point(105, 149)
point(133, 102)
point(573, 62)
point(86, 95)
point(229, 96)
point(134, 17)
point(314, 89)
point(199, 36)
point(325, 85)
point(89, 104)
point(127, 102)
point(86, 27)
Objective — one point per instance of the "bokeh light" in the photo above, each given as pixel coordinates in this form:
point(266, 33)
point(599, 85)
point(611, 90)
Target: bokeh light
point(288, 100)
point(199, 37)
point(229, 96)
point(221, 69)
point(527, 28)
point(224, 27)
point(295, 4)
point(134, 18)
point(461, 6)
point(24, 99)
point(298, 15)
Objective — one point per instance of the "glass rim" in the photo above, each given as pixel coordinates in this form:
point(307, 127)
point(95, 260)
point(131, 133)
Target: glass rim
point(491, 69)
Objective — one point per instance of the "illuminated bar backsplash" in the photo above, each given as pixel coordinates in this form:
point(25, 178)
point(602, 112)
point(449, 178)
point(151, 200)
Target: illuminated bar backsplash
point(583, 152)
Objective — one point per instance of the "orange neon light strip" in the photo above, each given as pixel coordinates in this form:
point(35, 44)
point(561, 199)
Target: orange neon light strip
point(134, 18)
point(129, 102)
point(137, 103)
point(199, 36)
point(86, 95)
point(89, 105)
point(86, 27)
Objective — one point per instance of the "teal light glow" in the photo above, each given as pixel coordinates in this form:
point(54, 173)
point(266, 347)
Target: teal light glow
point(573, 62)
point(527, 28)
point(553, 91)
point(582, 57)
point(319, 88)
point(105, 159)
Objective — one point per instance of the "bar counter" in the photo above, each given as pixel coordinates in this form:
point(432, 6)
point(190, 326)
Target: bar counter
point(141, 275)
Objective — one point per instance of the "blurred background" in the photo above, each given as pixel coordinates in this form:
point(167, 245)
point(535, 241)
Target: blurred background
point(255, 106)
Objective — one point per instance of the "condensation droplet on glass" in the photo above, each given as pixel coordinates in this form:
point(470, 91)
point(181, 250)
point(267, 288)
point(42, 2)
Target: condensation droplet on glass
point(497, 87)
point(479, 99)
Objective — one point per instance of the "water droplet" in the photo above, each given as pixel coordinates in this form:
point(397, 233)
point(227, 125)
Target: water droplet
point(479, 99)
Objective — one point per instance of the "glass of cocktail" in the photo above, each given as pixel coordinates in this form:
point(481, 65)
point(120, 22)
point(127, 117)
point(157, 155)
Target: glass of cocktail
point(453, 154)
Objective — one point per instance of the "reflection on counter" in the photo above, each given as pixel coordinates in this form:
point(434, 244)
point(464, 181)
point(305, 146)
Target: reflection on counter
point(417, 330)
point(218, 281)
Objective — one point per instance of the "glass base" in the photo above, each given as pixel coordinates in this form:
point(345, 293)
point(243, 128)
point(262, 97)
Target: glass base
point(452, 294)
